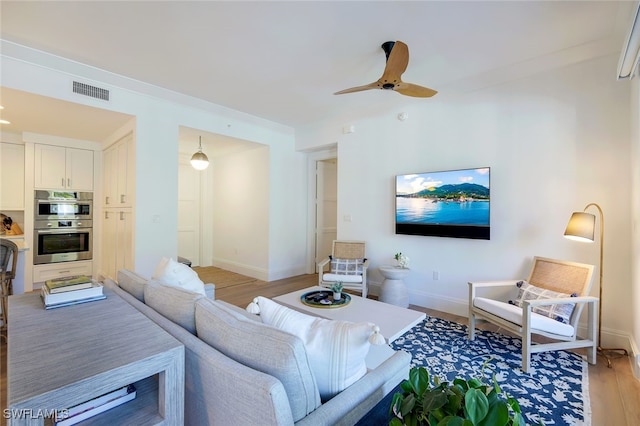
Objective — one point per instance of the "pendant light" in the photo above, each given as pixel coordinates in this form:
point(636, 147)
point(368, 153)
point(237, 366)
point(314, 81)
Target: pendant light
point(199, 160)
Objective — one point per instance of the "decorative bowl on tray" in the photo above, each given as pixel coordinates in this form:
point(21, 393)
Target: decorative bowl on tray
point(324, 299)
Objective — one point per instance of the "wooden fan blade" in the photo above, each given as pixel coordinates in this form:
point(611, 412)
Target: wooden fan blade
point(370, 86)
point(396, 63)
point(414, 90)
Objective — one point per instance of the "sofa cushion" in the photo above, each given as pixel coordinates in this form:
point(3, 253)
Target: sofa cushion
point(132, 283)
point(336, 349)
point(262, 348)
point(560, 312)
point(170, 272)
point(173, 303)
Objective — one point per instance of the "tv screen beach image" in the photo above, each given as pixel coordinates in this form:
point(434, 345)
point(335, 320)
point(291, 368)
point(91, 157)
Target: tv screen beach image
point(455, 197)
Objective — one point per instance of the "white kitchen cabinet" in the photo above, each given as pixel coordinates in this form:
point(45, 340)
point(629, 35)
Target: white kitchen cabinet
point(119, 173)
point(117, 241)
point(58, 167)
point(117, 233)
point(11, 176)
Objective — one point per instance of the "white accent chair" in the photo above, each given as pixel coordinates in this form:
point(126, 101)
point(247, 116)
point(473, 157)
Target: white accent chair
point(349, 254)
point(549, 274)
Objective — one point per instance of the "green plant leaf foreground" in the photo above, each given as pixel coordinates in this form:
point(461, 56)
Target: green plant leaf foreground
point(428, 401)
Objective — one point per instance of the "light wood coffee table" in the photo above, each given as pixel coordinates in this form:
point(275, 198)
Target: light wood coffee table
point(62, 357)
point(393, 320)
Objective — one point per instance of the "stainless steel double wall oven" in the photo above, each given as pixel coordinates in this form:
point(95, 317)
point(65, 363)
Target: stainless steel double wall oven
point(63, 226)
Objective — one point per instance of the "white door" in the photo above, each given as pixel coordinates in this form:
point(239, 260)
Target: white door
point(326, 206)
point(189, 211)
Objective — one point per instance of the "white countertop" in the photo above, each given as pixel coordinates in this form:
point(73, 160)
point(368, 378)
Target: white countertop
point(18, 239)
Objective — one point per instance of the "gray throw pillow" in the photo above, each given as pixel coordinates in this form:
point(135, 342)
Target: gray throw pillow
point(132, 283)
point(173, 303)
point(263, 348)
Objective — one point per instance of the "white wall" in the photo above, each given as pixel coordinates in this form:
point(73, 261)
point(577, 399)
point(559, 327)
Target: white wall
point(159, 115)
point(241, 212)
point(635, 223)
point(555, 142)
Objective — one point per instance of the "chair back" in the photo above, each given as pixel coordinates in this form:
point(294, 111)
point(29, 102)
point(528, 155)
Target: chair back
point(561, 276)
point(8, 252)
point(348, 249)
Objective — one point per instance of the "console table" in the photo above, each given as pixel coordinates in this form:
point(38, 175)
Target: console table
point(61, 357)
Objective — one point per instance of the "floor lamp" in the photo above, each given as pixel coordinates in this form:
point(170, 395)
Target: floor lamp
point(581, 227)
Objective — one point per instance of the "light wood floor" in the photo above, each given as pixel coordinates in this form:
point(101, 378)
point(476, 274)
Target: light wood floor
point(614, 392)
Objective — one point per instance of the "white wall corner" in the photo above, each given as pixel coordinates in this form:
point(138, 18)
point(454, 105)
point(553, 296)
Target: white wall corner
point(634, 358)
point(239, 268)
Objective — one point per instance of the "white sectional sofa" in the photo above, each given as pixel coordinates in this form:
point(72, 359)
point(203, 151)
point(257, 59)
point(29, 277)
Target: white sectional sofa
point(239, 371)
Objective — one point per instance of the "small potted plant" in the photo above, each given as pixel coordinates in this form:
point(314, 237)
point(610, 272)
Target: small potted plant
point(336, 288)
point(402, 259)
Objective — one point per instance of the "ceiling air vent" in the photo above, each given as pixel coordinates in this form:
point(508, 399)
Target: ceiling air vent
point(93, 91)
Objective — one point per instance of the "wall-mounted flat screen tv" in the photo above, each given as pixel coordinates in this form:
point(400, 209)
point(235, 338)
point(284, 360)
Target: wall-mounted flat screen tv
point(453, 203)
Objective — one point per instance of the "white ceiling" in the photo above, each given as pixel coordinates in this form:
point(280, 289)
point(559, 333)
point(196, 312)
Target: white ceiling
point(283, 60)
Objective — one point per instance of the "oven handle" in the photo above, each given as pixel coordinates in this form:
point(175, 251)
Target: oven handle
point(63, 231)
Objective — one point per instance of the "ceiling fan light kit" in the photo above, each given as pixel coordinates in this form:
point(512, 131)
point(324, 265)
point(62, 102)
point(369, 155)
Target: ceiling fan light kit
point(397, 54)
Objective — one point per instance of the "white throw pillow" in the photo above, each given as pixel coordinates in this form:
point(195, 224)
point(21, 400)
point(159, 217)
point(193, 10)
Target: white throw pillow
point(169, 272)
point(336, 349)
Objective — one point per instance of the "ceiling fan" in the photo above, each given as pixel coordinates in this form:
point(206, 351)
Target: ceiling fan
point(397, 60)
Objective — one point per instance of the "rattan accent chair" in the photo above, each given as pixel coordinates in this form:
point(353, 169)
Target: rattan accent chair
point(8, 263)
point(552, 276)
point(347, 264)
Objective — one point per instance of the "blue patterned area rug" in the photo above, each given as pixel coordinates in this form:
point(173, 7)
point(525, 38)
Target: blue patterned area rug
point(556, 389)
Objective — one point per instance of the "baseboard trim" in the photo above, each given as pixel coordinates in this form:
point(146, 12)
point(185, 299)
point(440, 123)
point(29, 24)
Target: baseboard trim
point(429, 300)
point(239, 268)
point(258, 273)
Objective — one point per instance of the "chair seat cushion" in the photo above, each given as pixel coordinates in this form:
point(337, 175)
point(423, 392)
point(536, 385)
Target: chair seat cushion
point(513, 314)
point(343, 278)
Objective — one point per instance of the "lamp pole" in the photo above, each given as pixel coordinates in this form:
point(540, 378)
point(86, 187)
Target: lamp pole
point(601, 350)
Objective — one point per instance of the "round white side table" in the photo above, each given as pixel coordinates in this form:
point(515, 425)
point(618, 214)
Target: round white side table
point(393, 289)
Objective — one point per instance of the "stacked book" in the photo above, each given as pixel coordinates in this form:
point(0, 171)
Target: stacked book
point(95, 406)
point(70, 291)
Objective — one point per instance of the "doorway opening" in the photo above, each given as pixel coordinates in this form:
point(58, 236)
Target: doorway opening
point(323, 205)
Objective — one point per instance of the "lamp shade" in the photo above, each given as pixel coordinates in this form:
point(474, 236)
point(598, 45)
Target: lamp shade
point(581, 227)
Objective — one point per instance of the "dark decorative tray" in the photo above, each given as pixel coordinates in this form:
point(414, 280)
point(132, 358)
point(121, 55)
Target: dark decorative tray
point(324, 299)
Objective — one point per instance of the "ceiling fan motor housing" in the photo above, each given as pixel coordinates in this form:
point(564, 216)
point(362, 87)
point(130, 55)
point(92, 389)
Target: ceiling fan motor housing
point(387, 46)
